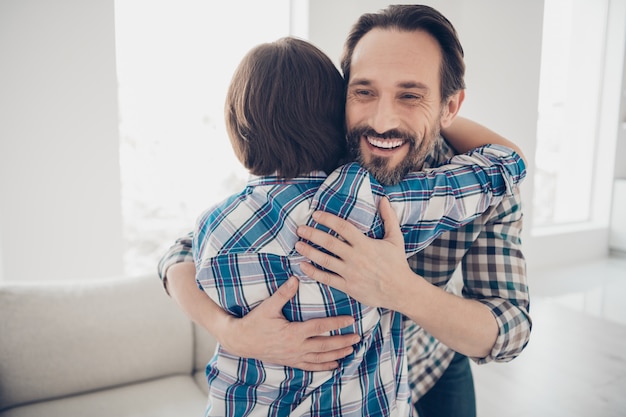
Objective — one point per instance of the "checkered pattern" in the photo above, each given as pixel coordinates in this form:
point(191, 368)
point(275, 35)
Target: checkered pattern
point(427, 358)
point(493, 272)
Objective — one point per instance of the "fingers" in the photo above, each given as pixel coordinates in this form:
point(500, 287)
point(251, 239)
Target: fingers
point(386, 211)
point(322, 259)
point(340, 247)
point(389, 217)
point(326, 351)
point(344, 228)
point(331, 348)
point(313, 366)
point(277, 301)
point(323, 239)
point(323, 277)
point(325, 359)
point(318, 327)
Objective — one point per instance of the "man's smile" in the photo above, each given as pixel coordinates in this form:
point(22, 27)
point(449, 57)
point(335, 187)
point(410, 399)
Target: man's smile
point(385, 148)
point(386, 144)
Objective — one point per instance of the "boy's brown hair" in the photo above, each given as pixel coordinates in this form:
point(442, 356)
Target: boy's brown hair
point(285, 110)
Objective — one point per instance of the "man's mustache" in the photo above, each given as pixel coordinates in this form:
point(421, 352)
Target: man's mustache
point(389, 134)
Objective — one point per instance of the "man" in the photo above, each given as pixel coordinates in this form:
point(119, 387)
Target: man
point(404, 68)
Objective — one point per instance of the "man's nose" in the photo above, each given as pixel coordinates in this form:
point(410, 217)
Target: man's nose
point(385, 116)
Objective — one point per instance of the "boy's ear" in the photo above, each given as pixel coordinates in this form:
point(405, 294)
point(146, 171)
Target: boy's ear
point(451, 108)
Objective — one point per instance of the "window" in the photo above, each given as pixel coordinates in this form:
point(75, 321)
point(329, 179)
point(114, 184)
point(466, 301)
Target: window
point(175, 61)
point(571, 83)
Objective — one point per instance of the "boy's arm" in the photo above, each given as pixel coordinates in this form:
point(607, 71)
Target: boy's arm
point(432, 202)
point(464, 135)
point(427, 203)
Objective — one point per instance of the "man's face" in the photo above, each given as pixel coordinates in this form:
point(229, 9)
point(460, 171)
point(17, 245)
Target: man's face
point(393, 105)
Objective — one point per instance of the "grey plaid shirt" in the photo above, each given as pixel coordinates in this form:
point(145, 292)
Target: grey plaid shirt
point(493, 272)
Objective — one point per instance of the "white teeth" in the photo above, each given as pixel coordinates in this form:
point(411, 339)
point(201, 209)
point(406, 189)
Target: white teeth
point(385, 143)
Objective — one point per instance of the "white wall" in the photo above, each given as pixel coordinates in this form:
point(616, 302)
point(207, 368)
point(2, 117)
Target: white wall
point(60, 211)
point(617, 232)
point(620, 154)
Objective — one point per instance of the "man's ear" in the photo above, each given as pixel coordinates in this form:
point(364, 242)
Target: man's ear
point(451, 108)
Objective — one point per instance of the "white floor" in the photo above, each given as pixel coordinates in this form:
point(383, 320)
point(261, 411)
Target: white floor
point(575, 363)
point(595, 288)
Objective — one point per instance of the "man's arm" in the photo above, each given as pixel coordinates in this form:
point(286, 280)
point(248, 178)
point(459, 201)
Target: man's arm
point(376, 273)
point(264, 333)
point(494, 273)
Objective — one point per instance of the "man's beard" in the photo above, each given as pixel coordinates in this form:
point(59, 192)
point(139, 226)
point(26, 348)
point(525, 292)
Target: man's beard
point(378, 166)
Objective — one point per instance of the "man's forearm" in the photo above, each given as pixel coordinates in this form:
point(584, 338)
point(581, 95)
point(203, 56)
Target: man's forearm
point(197, 305)
point(264, 333)
point(466, 326)
point(376, 273)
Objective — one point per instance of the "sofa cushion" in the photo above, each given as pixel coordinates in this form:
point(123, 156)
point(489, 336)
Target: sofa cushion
point(63, 338)
point(204, 348)
point(165, 397)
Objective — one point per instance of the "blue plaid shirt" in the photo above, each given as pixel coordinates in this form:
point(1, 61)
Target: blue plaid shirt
point(244, 250)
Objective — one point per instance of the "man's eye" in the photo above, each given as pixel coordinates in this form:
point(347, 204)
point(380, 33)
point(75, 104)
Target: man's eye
point(411, 97)
point(363, 92)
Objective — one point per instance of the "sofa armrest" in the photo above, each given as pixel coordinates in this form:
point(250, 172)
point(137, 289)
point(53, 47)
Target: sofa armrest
point(65, 338)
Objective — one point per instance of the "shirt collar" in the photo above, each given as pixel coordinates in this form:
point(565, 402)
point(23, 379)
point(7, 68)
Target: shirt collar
point(256, 180)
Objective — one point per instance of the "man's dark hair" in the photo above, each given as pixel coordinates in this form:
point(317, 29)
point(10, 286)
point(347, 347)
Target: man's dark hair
point(285, 110)
point(412, 18)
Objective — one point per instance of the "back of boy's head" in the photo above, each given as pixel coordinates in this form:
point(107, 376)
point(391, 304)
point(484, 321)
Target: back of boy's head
point(285, 110)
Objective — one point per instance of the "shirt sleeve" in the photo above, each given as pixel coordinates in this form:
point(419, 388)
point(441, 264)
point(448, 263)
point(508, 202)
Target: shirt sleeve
point(180, 251)
point(493, 267)
point(494, 273)
point(432, 202)
point(427, 203)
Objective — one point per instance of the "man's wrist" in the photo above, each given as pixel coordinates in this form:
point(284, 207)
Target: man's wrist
point(225, 327)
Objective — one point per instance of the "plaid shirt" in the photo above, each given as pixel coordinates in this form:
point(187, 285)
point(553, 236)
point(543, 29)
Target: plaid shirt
point(244, 250)
point(493, 270)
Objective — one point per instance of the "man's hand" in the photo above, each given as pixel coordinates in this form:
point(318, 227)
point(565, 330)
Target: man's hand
point(376, 273)
point(265, 334)
point(369, 270)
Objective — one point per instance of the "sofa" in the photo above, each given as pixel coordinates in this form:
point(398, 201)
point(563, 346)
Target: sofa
point(108, 347)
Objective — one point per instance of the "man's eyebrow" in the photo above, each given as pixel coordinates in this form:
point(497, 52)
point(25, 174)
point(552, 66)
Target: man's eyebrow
point(413, 84)
point(402, 84)
point(360, 81)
